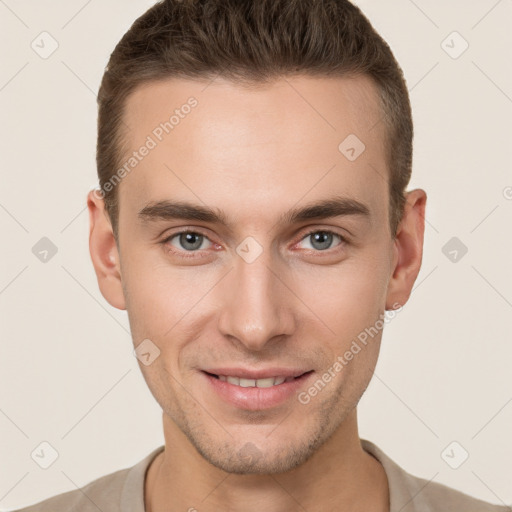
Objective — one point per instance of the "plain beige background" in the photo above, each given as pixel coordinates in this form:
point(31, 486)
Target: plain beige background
point(68, 374)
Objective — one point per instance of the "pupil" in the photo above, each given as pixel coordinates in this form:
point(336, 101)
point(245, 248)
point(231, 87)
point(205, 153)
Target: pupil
point(188, 238)
point(318, 238)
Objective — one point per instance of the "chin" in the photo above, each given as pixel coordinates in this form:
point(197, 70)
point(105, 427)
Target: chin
point(249, 460)
point(243, 457)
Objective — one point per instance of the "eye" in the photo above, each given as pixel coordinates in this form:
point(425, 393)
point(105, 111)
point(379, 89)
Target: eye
point(192, 242)
point(189, 241)
point(321, 240)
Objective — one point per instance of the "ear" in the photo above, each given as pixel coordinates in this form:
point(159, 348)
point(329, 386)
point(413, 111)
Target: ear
point(104, 251)
point(408, 249)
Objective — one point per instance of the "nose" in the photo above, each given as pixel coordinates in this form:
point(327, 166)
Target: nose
point(256, 305)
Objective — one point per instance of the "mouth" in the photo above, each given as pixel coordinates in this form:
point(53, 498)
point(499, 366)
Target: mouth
point(255, 390)
point(266, 382)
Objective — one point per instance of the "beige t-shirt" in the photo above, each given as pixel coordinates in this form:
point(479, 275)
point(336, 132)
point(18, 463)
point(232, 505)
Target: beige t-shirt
point(123, 491)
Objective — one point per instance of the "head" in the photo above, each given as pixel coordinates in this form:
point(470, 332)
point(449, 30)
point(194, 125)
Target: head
point(278, 133)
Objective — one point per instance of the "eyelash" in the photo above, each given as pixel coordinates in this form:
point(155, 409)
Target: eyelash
point(194, 254)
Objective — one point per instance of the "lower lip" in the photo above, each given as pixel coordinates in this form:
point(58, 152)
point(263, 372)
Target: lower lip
point(254, 398)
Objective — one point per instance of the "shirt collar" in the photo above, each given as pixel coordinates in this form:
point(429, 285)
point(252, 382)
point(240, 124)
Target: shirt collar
point(132, 495)
point(404, 488)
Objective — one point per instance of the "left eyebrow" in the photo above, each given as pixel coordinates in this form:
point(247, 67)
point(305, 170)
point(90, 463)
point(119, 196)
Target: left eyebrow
point(326, 208)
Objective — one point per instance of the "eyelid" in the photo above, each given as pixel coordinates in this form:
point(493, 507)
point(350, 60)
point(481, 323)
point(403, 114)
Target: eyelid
point(183, 230)
point(316, 229)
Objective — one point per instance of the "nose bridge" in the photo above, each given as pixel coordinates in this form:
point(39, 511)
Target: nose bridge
point(255, 308)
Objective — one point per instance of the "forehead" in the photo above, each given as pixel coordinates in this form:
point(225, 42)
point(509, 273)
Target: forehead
point(255, 148)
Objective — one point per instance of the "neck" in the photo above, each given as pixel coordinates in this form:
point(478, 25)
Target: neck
point(339, 476)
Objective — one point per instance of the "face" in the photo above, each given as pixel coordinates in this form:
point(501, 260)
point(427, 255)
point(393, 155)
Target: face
point(237, 278)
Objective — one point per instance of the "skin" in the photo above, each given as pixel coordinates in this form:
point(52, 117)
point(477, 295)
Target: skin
point(255, 153)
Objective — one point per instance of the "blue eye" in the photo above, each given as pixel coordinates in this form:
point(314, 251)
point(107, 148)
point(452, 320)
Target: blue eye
point(321, 240)
point(189, 241)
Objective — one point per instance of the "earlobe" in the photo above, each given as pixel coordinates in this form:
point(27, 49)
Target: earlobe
point(104, 251)
point(408, 250)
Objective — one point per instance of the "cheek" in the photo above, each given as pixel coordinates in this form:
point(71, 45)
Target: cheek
point(348, 297)
point(168, 306)
point(158, 295)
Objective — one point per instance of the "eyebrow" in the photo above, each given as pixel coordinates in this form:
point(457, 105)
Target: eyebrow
point(324, 209)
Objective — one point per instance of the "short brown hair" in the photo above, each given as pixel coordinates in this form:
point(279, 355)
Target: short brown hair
point(253, 41)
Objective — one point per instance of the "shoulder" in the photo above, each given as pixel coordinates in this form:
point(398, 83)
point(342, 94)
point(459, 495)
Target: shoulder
point(410, 493)
point(103, 494)
point(438, 497)
point(120, 490)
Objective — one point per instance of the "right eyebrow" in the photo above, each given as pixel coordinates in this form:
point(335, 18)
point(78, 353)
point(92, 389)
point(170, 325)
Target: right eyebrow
point(170, 210)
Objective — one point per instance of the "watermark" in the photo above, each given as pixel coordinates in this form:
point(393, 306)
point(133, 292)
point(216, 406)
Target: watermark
point(304, 397)
point(249, 453)
point(454, 249)
point(146, 352)
point(454, 45)
point(44, 455)
point(455, 455)
point(352, 147)
point(151, 142)
point(44, 45)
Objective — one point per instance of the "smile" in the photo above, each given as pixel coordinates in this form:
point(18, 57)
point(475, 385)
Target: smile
point(254, 383)
point(256, 390)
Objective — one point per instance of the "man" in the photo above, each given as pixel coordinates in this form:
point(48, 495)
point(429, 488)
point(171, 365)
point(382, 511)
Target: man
point(253, 221)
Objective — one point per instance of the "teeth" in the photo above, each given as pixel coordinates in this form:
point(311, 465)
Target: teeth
point(252, 383)
point(265, 383)
point(247, 383)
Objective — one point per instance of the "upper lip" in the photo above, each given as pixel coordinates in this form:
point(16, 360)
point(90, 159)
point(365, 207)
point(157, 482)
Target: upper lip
point(264, 373)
